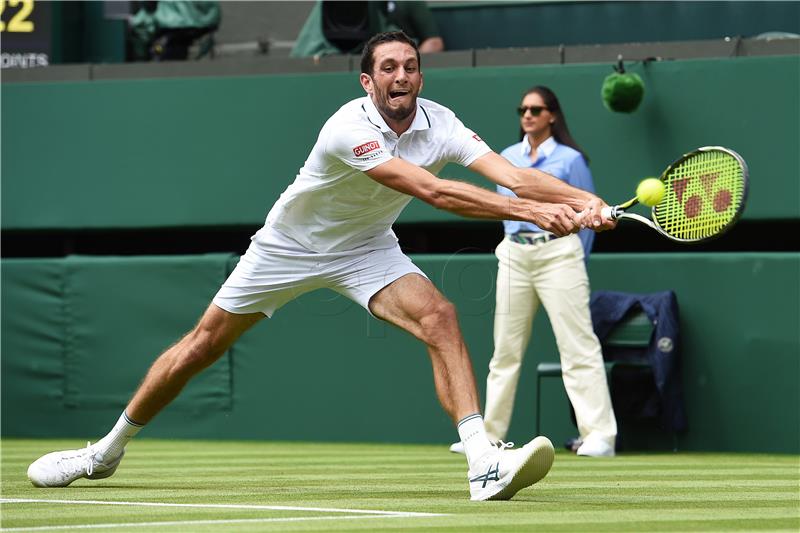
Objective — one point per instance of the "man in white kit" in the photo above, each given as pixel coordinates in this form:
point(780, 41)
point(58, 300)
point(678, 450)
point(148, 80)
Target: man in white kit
point(332, 228)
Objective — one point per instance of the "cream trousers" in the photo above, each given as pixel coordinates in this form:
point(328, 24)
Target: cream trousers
point(554, 274)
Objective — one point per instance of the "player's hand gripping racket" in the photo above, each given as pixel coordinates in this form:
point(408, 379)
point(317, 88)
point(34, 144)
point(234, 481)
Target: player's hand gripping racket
point(704, 195)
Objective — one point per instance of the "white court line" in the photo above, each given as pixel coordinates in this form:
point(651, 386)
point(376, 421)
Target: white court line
point(221, 506)
point(355, 514)
point(199, 522)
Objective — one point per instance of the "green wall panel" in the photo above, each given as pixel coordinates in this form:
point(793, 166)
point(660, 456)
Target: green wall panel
point(151, 153)
point(740, 317)
point(31, 340)
point(79, 333)
point(323, 369)
point(329, 369)
point(219, 151)
point(687, 104)
point(543, 23)
point(110, 301)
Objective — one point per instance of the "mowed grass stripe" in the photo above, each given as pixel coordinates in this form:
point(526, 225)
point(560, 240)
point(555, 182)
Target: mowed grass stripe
point(660, 492)
point(193, 524)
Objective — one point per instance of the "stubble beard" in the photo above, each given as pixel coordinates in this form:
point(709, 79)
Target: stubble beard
point(399, 113)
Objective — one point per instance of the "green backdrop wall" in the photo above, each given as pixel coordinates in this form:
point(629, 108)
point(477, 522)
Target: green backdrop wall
point(79, 332)
point(542, 23)
point(219, 151)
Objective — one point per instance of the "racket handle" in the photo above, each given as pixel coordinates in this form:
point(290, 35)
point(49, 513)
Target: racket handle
point(609, 212)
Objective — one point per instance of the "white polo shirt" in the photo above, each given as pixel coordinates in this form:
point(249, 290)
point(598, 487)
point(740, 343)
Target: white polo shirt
point(332, 206)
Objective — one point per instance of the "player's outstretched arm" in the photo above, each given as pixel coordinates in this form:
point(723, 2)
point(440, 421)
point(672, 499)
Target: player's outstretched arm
point(470, 201)
point(537, 185)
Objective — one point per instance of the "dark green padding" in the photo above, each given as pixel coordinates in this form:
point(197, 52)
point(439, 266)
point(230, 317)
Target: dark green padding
point(32, 345)
point(322, 369)
point(79, 333)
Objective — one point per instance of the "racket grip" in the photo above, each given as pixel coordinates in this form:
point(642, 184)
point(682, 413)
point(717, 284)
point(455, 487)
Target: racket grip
point(609, 212)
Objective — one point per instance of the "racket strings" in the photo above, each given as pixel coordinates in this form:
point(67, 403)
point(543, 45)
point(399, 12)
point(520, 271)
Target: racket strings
point(704, 193)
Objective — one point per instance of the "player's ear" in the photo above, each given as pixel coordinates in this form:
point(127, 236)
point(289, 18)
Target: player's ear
point(421, 81)
point(366, 82)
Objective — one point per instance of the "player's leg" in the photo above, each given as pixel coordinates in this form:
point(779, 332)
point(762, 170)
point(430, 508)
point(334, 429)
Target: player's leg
point(564, 290)
point(202, 346)
point(264, 279)
point(392, 288)
point(273, 271)
point(414, 304)
point(515, 309)
point(214, 334)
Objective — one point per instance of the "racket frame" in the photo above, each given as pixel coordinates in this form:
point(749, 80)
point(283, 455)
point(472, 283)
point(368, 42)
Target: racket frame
point(618, 211)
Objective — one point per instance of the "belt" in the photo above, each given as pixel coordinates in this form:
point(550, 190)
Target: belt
point(531, 237)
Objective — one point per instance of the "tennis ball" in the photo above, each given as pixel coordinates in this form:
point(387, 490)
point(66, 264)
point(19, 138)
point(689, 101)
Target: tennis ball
point(650, 191)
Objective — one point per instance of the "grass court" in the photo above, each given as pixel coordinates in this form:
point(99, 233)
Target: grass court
point(176, 486)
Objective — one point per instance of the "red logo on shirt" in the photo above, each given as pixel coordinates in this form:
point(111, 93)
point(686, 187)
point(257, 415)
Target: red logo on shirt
point(477, 138)
point(365, 148)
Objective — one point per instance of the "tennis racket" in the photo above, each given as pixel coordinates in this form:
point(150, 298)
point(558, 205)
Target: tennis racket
point(705, 193)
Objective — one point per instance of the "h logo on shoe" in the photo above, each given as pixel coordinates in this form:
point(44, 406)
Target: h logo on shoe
point(490, 475)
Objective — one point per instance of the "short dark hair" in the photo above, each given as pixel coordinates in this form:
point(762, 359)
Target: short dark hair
point(367, 56)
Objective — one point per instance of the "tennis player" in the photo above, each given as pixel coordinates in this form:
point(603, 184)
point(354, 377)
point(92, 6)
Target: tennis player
point(332, 228)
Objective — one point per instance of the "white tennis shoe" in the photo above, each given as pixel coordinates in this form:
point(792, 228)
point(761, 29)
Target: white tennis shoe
point(503, 472)
point(595, 448)
point(59, 469)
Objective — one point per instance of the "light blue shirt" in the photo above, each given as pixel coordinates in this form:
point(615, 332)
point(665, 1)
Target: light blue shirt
point(558, 160)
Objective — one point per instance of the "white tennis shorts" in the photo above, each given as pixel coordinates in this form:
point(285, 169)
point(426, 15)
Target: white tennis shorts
point(276, 269)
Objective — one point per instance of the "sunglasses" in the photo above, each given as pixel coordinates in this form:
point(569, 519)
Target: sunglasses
point(535, 110)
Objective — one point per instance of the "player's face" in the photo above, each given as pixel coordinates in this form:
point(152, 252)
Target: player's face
point(395, 81)
point(536, 121)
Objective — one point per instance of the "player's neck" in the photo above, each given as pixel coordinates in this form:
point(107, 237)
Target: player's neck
point(400, 126)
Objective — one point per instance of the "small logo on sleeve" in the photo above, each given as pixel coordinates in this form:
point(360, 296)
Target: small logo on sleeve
point(475, 136)
point(365, 148)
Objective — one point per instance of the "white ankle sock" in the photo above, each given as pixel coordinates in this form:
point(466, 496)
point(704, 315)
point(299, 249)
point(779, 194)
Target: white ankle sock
point(473, 436)
point(112, 444)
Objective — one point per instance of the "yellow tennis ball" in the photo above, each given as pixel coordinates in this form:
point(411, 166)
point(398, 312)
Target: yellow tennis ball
point(650, 191)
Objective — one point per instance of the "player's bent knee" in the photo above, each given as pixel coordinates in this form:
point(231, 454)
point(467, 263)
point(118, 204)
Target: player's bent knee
point(440, 323)
point(199, 351)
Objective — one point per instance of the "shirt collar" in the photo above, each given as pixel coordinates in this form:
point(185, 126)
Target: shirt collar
point(421, 118)
point(545, 149)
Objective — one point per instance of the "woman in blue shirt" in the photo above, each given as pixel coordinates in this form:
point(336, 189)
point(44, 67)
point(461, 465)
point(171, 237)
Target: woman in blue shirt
point(537, 267)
